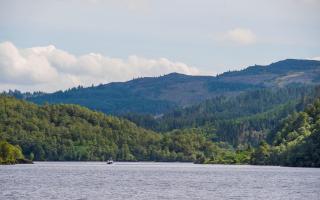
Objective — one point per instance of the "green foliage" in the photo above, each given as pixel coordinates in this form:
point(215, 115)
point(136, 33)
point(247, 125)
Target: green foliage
point(245, 118)
point(230, 156)
point(224, 130)
point(9, 154)
point(296, 142)
point(71, 132)
point(250, 119)
point(261, 154)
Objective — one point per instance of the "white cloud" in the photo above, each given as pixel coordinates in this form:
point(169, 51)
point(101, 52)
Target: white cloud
point(240, 36)
point(49, 69)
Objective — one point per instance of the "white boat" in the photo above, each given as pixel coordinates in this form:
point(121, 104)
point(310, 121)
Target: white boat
point(110, 161)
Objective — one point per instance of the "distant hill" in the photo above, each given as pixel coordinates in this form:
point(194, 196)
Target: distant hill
point(158, 95)
point(277, 74)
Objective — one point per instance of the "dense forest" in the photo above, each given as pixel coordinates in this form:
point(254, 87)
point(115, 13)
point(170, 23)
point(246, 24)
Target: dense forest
point(71, 132)
point(296, 141)
point(238, 120)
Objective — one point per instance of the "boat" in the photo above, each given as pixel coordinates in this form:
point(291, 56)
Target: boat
point(110, 161)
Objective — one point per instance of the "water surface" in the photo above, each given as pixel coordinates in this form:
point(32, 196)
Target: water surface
point(97, 180)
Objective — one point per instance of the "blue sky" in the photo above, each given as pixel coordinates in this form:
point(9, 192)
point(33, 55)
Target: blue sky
point(94, 41)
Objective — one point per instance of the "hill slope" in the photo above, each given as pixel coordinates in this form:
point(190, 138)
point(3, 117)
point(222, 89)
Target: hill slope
point(239, 120)
point(296, 142)
point(71, 132)
point(161, 94)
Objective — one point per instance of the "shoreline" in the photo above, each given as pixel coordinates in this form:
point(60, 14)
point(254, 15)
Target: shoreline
point(162, 162)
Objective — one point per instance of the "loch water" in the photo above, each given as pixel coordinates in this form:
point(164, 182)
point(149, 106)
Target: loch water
point(150, 180)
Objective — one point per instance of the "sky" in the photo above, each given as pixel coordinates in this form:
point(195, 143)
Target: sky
point(54, 45)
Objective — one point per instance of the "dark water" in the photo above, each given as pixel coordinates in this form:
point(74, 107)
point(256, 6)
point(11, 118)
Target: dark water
point(96, 180)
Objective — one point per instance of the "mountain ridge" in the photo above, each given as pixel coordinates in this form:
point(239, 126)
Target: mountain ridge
point(157, 95)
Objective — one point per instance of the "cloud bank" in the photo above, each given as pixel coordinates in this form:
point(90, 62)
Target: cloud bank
point(49, 68)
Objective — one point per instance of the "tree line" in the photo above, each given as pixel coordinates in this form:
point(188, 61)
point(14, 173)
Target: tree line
point(243, 119)
point(71, 132)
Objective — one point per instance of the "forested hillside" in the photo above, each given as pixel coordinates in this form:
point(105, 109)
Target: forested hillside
point(296, 141)
point(159, 95)
point(243, 119)
point(71, 132)
point(236, 117)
